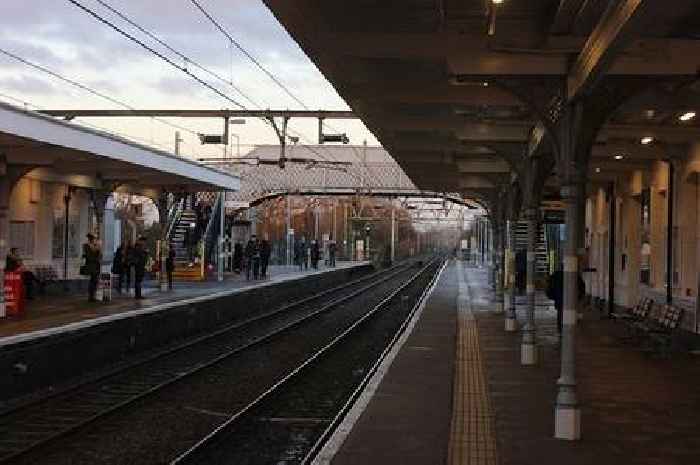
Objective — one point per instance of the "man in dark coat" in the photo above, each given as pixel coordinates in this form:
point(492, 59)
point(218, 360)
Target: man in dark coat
point(118, 265)
point(265, 251)
point(170, 265)
point(555, 291)
point(140, 257)
point(331, 254)
point(252, 255)
point(93, 258)
point(315, 254)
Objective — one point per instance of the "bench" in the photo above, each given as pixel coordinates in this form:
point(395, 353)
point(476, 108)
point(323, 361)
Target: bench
point(640, 312)
point(660, 330)
point(45, 274)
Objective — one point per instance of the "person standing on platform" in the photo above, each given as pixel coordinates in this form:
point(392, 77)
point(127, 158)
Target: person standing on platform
point(92, 257)
point(315, 254)
point(297, 254)
point(265, 251)
point(140, 257)
point(555, 291)
point(238, 257)
point(331, 254)
point(304, 253)
point(118, 265)
point(170, 265)
point(252, 255)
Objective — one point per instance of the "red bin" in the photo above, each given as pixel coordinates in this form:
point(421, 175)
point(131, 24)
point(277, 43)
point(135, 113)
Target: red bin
point(14, 294)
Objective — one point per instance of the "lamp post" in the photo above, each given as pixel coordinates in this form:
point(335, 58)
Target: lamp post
point(222, 200)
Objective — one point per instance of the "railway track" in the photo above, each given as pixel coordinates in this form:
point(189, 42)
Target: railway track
point(291, 421)
point(29, 428)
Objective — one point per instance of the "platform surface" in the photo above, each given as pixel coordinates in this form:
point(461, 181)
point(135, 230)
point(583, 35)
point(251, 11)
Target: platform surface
point(44, 313)
point(636, 408)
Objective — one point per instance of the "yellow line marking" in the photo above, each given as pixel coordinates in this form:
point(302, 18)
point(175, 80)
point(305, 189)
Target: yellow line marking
point(472, 435)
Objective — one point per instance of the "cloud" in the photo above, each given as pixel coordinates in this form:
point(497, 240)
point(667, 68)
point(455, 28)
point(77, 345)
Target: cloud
point(28, 85)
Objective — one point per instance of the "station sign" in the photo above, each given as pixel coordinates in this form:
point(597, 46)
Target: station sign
point(552, 216)
point(236, 204)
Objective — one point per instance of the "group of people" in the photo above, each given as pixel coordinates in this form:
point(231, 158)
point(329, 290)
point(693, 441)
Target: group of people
point(134, 257)
point(257, 257)
point(303, 252)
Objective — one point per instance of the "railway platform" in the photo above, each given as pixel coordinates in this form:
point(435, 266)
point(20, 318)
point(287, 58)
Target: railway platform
point(456, 392)
point(49, 313)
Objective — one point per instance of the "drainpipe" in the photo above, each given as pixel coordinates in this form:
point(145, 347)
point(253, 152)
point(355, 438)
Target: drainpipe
point(669, 235)
point(611, 249)
point(66, 200)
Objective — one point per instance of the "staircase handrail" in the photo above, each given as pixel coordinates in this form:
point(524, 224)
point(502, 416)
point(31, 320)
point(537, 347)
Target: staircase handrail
point(209, 238)
point(174, 216)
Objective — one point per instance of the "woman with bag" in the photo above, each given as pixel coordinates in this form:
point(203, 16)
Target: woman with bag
point(92, 257)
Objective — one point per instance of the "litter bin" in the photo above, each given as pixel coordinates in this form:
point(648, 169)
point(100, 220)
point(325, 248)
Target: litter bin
point(14, 294)
point(104, 288)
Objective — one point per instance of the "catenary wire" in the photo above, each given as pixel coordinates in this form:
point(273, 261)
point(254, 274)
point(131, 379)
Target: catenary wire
point(85, 88)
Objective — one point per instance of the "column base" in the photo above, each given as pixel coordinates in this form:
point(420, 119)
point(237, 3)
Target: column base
point(511, 325)
point(499, 307)
point(528, 354)
point(567, 423)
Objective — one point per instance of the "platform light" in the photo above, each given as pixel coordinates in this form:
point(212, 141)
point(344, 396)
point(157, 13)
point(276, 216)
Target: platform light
point(646, 140)
point(597, 170)
point(687, 116)
point(485, 84)
point(619, 157)
point(497, 2)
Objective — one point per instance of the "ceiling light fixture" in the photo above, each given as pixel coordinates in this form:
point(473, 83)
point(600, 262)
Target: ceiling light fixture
point(646, 140)
point(597, 170)
point(485, 84)
point(687, 116)
point(497, 2)
point(619, 157)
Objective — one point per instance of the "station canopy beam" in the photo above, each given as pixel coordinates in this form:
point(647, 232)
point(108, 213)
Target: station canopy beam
point(324, 114)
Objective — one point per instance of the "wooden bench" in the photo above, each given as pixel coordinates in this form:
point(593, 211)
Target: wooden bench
point(660, 330)
point(640, 312)
point(45, 274)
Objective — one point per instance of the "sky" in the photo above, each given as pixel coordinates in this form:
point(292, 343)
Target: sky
point(61, 37)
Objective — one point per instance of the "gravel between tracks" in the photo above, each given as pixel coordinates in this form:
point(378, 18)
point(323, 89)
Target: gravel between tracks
point(156, 429)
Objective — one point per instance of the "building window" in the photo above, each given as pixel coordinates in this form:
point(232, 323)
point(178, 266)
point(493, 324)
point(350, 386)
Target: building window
point(58, 236)
point(22, 238)
point(645, 220)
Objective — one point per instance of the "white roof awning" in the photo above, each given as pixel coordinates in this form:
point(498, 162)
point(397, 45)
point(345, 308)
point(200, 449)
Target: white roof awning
point(65, 149)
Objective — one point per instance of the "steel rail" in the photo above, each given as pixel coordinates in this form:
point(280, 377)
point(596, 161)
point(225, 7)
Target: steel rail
point(191, 455)
point(130, 399)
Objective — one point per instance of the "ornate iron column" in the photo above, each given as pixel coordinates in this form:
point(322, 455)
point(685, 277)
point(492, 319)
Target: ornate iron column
point(528, 349)
point(511, 322)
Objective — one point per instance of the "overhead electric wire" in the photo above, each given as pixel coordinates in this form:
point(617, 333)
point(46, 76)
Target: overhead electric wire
point(154, 52)
point(184, 57)
point(85, 88)
point(125, 34)
point(246, 53)
point(255, 61)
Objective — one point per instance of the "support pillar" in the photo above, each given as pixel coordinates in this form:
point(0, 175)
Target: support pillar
point(498, 265)
point(162, 205)
point(511, 324)
point(528, 349)
point(222, 235)
point(393, 232)
point(5, 189)
point(288, 230)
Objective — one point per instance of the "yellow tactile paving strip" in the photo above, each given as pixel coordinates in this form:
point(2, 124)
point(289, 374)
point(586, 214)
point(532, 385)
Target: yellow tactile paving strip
point(472, 434)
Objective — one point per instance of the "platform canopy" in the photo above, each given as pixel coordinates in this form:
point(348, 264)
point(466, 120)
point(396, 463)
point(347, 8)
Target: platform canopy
point(455, 90)
point(60, 151)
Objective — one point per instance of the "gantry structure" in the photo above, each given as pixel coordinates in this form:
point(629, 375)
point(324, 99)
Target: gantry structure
point(512, 102)
point(333, 171)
